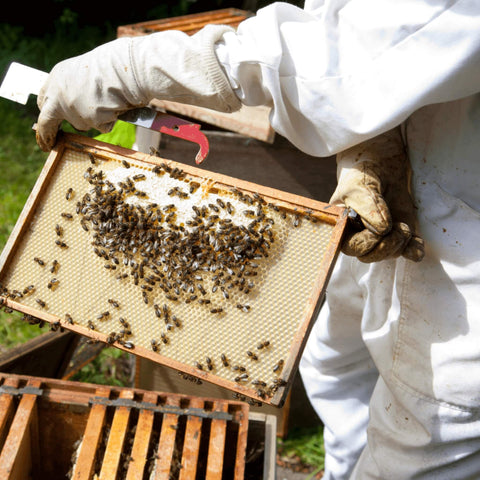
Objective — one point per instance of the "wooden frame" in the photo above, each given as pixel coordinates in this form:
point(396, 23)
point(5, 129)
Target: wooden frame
point(334, 216)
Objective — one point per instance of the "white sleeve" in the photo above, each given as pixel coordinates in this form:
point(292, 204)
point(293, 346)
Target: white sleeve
point(352, 69)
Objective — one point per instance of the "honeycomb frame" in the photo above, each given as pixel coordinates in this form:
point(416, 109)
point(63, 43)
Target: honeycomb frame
point(247, 340)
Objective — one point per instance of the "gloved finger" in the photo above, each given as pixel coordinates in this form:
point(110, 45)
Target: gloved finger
point(356, 244)
point(46, 133)
point(415, 249)
point(390, 246)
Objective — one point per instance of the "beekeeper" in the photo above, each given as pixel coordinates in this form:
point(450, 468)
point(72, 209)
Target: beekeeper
point(393, 363)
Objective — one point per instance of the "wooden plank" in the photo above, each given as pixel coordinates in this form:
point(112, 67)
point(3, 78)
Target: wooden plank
point(84, 466)
point(16, 457)
point(47, 355)
point(116, 438)
point(186, 23)
point(216, 446)
point(7, 409)
point(141, 443)
point(166, 443)
point(191, 443)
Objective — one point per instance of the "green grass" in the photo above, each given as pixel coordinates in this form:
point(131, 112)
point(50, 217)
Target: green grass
point(304, 446)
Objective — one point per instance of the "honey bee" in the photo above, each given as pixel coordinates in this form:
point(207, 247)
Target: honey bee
point(114, 303)
point(61, 244)
point(69, 194)
point(91, 325)
point(278, 366)
point(69, 319)
point(154, 345)
point(54, 267)
point(209, 363)
point(58, 230)
point(128, 344)
point(252, 355)
point(39, 261)
point(41, 302)
point(68, 216)
point(224, 359)
point(125, 164)
point(262, 345)
point(52, 284)
point(198, 365)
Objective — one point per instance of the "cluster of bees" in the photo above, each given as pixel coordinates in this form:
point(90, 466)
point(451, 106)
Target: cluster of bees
point(205, 258)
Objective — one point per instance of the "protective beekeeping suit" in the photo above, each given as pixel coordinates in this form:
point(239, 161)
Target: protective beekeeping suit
point(393, 363)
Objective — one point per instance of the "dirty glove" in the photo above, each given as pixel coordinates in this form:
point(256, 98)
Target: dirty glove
point(373, 180)
point(93, 89)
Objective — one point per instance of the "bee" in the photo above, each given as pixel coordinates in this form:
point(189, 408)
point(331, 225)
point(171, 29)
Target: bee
point(41, 302)
point(139, 176)
point(252, 355)
point(176, 321)
point(39, 261)
point(125, 164)
point(154, 345)
point(68, 216)
point(278, 367)
point(92, 158)
point(68, 318)
point(28, 290)
point(69, 194)
point(296, 220)
point(209, 363)
point(262, 345)
point(216, 310)
point(128, 344)
point(61, 244)
point(220, 202)
point(239, 368)
point(54, 267)
point(243, 307)
point(145, 297)
point(259, 383)
point(241, 378)
point(124, 323)
point(52, 284)
point(158, 312)
point(198, 365)
point(91, 325)
point(164, 338)
point(103, 315)
point(114, 303)
point(224, 359)
point(58, 230)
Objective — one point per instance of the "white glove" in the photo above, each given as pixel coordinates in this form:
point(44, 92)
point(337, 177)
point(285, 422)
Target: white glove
point(93, 89)
point(373, 180)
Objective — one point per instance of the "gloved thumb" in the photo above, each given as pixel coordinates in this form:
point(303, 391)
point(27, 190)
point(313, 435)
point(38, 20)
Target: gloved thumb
point(46, 133)
point(360, 188)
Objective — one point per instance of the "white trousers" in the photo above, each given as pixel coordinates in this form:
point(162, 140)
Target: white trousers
point(392, 365)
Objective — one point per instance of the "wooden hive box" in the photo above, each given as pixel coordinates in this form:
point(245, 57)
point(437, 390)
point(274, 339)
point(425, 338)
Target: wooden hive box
point(58, 429)
point(249, 121)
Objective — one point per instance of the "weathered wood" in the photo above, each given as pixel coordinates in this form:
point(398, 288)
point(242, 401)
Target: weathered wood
point(84, 467)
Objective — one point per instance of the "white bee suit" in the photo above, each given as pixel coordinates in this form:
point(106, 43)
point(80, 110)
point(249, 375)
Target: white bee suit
point(393, 363)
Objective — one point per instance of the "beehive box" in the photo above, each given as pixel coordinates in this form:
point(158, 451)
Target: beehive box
point(58, 429)
point(212, 276)
point(249, 121)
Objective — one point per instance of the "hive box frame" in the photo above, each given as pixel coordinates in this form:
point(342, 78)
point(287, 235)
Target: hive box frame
point(334, 216)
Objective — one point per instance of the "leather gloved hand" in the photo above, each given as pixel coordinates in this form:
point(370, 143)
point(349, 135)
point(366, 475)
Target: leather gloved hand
point(373, 180)
point(93, 89)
